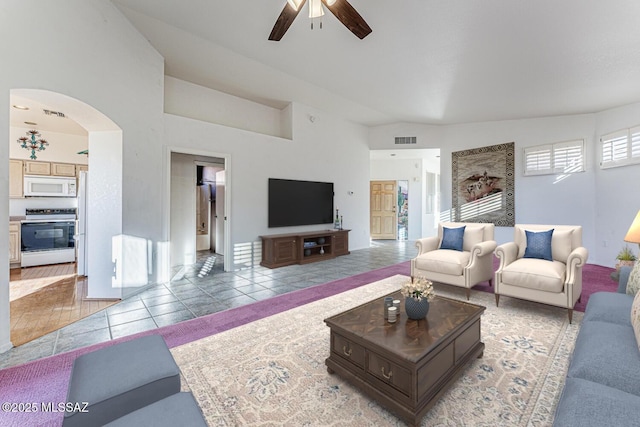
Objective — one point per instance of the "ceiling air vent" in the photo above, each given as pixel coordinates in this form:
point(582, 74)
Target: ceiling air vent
point(401, 140)
point(54, 113)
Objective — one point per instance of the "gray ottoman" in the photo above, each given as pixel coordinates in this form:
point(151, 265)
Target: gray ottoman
point(177, 410)
point(120, 379)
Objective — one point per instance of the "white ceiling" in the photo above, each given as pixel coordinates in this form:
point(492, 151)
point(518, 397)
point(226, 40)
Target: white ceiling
point(34, 116)
point(426, 61)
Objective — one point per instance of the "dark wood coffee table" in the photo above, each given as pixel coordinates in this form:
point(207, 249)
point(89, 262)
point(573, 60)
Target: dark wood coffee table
point(406, 366)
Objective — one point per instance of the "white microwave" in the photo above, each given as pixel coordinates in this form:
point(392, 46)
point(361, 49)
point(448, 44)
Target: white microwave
point(49, 186)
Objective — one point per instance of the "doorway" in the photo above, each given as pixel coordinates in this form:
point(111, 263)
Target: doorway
point(403, 210)
point(72, 128)
point(198, 206)
point(383, 215)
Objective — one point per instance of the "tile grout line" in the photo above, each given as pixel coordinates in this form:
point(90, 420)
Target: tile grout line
point(108, 325)
point(55, 342)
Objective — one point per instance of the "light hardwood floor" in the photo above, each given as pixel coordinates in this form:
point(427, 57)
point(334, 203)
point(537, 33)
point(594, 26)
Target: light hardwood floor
point(46, 298)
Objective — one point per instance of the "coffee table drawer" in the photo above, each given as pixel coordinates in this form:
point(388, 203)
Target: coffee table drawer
point(390, 373)
point(347, 349)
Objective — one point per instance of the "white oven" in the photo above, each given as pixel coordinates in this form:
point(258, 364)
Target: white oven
point(48, 237)
point(49, 186)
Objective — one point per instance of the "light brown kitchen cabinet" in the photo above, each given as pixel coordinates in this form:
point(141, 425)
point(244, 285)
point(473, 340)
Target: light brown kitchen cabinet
point(37, 168)
point(81, 168)
point(63, 169)
point(14, 242)
point(16, 180)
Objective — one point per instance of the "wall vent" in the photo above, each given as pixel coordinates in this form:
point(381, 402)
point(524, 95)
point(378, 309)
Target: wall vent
point(405, 140)
point(54, 113)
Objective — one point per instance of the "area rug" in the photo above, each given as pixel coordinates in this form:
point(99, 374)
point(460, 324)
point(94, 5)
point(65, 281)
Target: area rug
point(271, 372)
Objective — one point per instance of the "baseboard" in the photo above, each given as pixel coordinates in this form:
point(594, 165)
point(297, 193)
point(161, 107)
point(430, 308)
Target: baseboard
point(6, 347)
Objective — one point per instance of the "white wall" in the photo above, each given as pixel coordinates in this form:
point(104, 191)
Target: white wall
point(89, 52)
point(538, 199)
point(197, 102)
point(183, 202)
point(616, 192)
point(106, 245)
point(328, 149)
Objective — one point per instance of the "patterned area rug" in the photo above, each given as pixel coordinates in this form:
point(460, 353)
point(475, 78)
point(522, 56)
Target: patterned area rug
point(271, 372)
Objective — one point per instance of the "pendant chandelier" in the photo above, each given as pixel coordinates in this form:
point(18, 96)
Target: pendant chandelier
point(32, 143)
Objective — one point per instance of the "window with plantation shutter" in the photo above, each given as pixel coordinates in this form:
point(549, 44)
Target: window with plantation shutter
point(620, 148)
point(559, 158)
point(568, 157)
point(537, 160)
point(635, 143)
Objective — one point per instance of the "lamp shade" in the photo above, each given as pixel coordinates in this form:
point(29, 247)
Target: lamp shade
point(633, 235)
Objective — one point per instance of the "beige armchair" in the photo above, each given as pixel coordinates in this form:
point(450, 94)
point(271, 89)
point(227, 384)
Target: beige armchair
point(465, 268)
point(555, 282)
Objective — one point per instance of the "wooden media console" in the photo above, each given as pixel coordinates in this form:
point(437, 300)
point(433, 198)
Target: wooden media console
point(279, 250)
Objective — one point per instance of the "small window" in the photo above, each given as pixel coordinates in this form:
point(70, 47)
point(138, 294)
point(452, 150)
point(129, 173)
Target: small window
point(620, 148)
point(559, 158)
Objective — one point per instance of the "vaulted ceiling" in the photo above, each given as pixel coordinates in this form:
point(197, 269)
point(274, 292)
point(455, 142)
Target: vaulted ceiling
point(426, 61)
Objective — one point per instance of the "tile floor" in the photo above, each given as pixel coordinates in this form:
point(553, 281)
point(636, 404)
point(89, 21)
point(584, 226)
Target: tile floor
point(204, 289)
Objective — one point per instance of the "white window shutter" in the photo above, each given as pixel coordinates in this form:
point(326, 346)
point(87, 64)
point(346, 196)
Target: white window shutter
point(537, 160)
point(635, 143)
point(568, 156)
point(620, 148)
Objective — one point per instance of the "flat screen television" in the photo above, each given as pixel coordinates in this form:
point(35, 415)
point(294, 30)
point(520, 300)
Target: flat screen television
point(293, 202)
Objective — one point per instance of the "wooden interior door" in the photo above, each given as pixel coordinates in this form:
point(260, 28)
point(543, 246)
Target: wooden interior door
point(383, 210)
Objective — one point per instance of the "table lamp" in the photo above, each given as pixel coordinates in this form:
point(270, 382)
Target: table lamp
point(633, 235)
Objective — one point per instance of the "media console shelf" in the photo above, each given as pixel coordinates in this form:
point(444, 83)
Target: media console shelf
point(279, 250)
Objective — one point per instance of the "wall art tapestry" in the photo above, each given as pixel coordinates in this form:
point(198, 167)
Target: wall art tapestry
point(483, 185)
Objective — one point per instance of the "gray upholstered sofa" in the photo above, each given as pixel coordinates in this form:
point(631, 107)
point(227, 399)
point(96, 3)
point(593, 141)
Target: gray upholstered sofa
point(603, 380)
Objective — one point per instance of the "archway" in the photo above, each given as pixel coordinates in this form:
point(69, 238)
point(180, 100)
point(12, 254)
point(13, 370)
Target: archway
point(104, 210)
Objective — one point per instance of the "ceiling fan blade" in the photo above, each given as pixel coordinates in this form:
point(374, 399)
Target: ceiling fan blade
point(349, 17)
point(284, 21)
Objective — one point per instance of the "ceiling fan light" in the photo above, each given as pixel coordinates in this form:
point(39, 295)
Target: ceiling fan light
point(330, 2)
point(315, 9)
point(295, 4)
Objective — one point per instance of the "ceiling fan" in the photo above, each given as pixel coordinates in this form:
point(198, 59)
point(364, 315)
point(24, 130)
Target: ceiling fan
point(340, 8)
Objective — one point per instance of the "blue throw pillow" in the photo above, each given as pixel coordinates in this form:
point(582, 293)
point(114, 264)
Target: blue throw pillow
point(452, 238)
point(539, 245)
